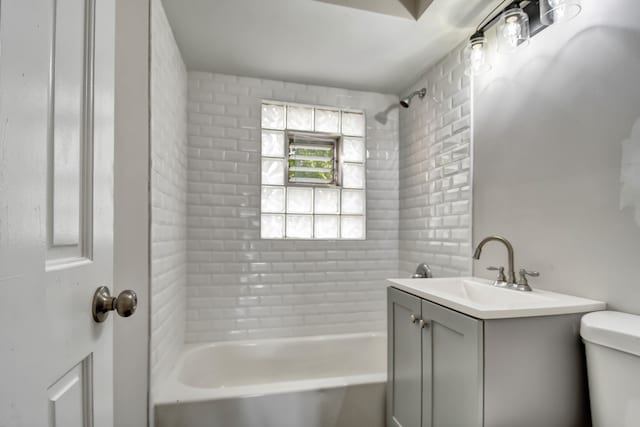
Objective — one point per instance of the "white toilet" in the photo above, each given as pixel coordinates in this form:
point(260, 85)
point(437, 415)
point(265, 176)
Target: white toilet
point(612, 343)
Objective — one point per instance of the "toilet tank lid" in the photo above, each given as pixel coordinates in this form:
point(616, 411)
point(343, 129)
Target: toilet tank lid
point(613, 329)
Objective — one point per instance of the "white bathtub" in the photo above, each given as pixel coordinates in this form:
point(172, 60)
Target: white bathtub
point(327, 381)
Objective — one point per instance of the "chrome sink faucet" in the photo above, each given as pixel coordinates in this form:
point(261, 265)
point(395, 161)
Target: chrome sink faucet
point(511, 275)
point(423, 272)
point(510, 280)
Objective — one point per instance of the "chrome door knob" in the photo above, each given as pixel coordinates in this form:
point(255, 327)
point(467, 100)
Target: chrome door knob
point(124, 304)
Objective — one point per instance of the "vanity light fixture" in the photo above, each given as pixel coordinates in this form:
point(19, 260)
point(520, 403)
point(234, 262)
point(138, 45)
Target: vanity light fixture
point(515, 25)
point(558, 11)
point(512, 29)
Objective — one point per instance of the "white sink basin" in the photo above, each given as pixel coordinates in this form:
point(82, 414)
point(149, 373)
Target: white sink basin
point(480, 299)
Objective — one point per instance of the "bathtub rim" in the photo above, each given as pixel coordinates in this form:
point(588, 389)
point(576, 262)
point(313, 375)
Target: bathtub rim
point(172, 391)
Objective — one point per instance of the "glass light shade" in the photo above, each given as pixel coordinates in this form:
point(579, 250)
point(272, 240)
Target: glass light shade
point(476, 60)
point(558, 11)
point(512, 30)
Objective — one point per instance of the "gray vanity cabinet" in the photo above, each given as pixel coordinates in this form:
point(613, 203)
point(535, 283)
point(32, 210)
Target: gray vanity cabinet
point(435, 365)
point(448, 369)
point(404, 360)
point(451, 368)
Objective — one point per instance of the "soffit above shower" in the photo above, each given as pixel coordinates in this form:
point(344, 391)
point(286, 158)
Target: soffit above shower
point(412, 9)
point(322, 43)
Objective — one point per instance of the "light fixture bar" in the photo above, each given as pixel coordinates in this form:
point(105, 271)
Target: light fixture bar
point(530, 7)
point(517, 22)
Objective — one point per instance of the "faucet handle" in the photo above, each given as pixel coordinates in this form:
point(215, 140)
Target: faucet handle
point(501, 279)
point(422, 272)
point(523, 283)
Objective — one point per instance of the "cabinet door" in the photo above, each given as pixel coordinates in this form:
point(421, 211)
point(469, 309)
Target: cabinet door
point(452, 370)
point(404, 360)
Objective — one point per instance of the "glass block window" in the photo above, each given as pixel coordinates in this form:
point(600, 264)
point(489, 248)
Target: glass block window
point(313, 173)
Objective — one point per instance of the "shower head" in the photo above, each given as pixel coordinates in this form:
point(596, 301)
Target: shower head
point(406, 102)
point(381, 117)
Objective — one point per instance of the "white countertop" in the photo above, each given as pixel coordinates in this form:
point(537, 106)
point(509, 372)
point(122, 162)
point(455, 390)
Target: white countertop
point(480, 299)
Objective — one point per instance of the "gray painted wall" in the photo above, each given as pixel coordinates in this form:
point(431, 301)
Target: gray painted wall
point(549, 128)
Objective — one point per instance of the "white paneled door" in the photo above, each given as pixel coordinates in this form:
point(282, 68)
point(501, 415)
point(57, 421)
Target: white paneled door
point(56, 211)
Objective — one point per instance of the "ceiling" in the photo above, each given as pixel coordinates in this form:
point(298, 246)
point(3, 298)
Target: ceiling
point(403, 8)
point(319, 42)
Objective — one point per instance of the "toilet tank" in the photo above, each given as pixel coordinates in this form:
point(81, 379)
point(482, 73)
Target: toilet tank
point(612, 344)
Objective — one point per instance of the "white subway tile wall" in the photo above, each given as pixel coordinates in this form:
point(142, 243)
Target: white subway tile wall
point(435, 172)
point(240, 286)
point(168, 195)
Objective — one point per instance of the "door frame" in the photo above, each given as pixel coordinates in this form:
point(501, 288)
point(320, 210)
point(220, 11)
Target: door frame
point(132, 403)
